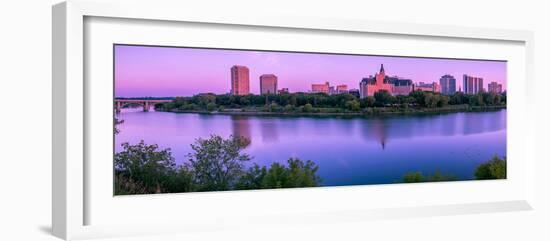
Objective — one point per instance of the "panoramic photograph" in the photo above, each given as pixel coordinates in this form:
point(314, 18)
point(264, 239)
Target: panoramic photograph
point(190, 119)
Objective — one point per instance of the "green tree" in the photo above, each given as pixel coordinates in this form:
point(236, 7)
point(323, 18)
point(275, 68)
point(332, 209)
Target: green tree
point(492, 169)
point(431, 100)
point(211, 106)
point(245, 100)
point(458, 98)
point(204, 99)
point(252, 179)
point(180, 180)
point(302, 173)
point(125, 186)
point(145, 166)
point(217, 163)
point(443, 101)
point(383, 98)
point(412, 177)
point(308, 108)
point(353, 105)
point(293, 100)
point(476, 100)
point(296, 173)
point(419, 97)
point(289, 108)
point(274, 107)
point(275, 177)
point(368, 101)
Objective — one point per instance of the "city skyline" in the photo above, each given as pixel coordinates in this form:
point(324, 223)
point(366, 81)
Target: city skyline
point(178, 71)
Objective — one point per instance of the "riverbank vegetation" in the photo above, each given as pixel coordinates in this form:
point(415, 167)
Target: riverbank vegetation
point(436, 177)
point(320, 103)
point(492, 169)
point(495, 168)
point(216, 164)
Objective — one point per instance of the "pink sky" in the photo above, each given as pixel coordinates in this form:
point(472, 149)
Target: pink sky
point(173, 71)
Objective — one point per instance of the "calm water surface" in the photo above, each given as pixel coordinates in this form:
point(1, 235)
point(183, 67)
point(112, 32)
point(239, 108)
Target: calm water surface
point(348, 150)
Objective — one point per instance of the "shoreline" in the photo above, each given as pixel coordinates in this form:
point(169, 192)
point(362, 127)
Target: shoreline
point(371, 112)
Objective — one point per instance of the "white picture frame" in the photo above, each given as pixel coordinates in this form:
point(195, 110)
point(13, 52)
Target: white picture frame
point(72, 190)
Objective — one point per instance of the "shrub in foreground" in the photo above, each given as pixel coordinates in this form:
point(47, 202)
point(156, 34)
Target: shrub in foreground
point(216, 164)
point(296, 173)
point(493, 169)
point(412, 177)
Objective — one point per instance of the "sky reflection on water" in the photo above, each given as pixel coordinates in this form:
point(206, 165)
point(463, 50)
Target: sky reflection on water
point(348, 150)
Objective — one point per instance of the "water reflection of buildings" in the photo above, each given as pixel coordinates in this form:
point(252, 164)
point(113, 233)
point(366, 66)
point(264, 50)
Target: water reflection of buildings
point(379, 131)
point(241, 127)
point(382, 130)
point(269, 131)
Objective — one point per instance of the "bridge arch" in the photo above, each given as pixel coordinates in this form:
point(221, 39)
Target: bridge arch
point(145, 103)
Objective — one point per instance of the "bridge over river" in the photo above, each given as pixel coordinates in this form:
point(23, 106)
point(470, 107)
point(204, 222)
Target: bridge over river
point(145, 103)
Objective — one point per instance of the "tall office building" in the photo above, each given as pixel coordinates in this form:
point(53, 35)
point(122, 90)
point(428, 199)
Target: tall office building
point(495, 87)
point(472, 85)
point(448, 84)
point(268, 84)
point(240, 80)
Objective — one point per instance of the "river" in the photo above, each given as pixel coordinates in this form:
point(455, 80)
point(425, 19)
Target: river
point(348, 150)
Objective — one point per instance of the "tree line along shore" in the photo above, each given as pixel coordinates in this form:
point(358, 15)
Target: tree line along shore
point(339, 104)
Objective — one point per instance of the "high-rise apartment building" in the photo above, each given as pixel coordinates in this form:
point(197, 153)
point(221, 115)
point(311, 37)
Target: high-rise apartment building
point(240, 80)
point(268, 84)
point(448, 84)
point(472, 85)
point(494, 87)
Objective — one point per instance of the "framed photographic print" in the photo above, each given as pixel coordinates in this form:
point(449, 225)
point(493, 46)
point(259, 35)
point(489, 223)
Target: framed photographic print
point(204, 119)
point(204, 122)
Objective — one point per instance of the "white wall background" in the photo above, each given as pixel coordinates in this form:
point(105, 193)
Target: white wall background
point(25, 122)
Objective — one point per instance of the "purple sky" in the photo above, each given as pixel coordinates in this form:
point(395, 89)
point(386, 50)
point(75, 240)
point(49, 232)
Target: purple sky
point(169, 71)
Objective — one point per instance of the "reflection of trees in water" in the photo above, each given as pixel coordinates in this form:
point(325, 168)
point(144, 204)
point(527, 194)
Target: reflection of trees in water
point(383, 129)
point(379, 129)
point(241, 127)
